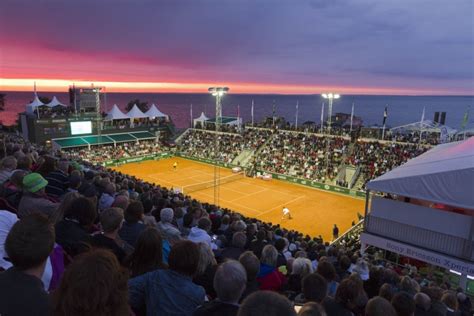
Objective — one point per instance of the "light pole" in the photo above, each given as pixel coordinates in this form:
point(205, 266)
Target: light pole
point(330, 97)
point(217, 92)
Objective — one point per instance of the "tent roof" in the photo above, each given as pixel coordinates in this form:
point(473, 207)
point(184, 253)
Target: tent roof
point(135, 112)
point(81, 141)
point(444, 174)
point(154, 112)
point(115, 114)
point(54, 102)
point(426, 126)
point(34, 104)
point(202, 117)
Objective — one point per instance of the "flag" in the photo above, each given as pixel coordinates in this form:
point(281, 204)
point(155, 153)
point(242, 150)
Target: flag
point(352, 115)
point(465, 118)
point(322, 117)
point(296, 115)
point(191, 114)
point(385, 114)
point(35, 89)
point(273, 112)
point(251, 111)
point(422, 116)
point(238, 110)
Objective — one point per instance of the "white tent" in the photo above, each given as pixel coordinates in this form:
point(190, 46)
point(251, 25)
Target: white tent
point(444, 174)
point(135, 112)
point(201, 119)
point(30, 108)
point(54, 102)
point(425, 126)
point(115, 114)
point(154, 112)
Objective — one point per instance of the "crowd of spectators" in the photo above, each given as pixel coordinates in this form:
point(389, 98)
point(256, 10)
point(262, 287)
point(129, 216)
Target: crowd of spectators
point(79, 239)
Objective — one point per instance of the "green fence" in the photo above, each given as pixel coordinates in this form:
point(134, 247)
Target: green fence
point(122, 161)
point(317, 185)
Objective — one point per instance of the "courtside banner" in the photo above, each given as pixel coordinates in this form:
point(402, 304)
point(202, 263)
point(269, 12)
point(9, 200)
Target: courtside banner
point(427, 256)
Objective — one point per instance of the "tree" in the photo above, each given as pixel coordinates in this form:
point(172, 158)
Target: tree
point(2, 101)
point(143, 106)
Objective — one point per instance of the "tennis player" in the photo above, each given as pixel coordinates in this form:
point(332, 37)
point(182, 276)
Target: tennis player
point(175, 166)
point(286, 213)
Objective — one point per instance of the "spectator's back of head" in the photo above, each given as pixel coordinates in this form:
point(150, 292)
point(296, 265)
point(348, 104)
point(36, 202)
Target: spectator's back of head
point(314, 287)
point(30, 241)
point(269, 256)
point(94, 284)
point(184, 257)
point(134, 212)
point(82, 210)
point(404, 304)
point(111, 219)
point(230, 281)
point(121, 201)
point(239, 239)
point(422, 301)
point(312, 309)
point(327, 270)
point(251, 264)
point(347, 293)
point(387, 291)
point(166, 215)
point(8, 163)
point(204, 223)
point(450, 299)
point(266, 303)
point(378, 306)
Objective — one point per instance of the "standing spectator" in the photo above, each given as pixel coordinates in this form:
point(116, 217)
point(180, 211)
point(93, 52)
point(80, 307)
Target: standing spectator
point(94, 284)
point(266, 303)
point(170, 292)
point(133, 225)
point(58, 179)
point(28, 245)
point(269, 277)
point(148, 253)
point(229, 283)
point(34, 198)
point(335, 232)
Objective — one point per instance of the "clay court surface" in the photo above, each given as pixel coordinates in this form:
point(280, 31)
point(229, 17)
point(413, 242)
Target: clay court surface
point(314, 212)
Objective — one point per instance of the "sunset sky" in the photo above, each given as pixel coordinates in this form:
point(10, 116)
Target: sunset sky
point(253, 46)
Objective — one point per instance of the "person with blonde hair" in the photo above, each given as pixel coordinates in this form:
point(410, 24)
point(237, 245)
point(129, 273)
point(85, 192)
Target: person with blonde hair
point(269, 277)
point(206, 269)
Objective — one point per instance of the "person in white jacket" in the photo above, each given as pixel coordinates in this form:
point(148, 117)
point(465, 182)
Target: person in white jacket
point(201, 233)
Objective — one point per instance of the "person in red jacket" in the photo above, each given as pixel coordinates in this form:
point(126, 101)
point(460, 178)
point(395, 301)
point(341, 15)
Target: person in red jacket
point(269, 277)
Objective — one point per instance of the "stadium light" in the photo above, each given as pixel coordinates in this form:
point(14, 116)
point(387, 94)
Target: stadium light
point(330, 96)
point(218, 92)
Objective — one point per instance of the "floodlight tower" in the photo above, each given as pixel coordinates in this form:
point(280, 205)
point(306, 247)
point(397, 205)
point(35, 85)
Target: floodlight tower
point(219, 93)
point(330, 97)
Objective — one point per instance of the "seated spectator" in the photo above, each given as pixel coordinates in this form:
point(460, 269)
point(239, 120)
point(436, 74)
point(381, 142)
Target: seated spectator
point(132, 226)
point(73, 232)
point(266, 303)
point(464, 301)
point(58, 179)
point(327, 271)
point(280, 245)
point(229, 283)
point(345, 300)
point(387, 291)
point(404, 304)
point(233, 252)
point(165, 226)
point(201, 232)
point(269, 277)
point(312, 309)
point(206, 269)
point(148, 253)
point(111, 221)
point(450, 299)
point(7, 166)
point(34, 198)
point(7, 220)
point(94, 284)
point(252, 266)
point(74, 183)
point(65, 204)
point(170, 292)
point(422, 304)
point(301, 267)
point(28, 245)
point(12, 190)
point(108, 197)
point(121, 201)
point(378, 306)
point(259, 242)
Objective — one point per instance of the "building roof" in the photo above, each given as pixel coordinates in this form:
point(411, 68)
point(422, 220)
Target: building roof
point(55, 102)
point(444, 174)
point(115, 114)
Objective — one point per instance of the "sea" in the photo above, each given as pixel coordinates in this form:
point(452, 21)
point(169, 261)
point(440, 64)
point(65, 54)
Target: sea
point(401, 109)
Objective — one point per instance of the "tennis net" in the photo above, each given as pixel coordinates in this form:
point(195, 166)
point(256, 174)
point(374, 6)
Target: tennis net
point(210, 184)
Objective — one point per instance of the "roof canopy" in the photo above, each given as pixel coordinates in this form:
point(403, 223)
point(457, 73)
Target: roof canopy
point(444, 174)
point(55, 102)
point(135, 112)
point(425, 126)
point(115, 114)
point(30, 108)
point(154, 112)
point(81, 141)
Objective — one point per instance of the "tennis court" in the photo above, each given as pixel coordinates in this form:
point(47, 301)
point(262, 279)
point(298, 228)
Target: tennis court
point(314, 212)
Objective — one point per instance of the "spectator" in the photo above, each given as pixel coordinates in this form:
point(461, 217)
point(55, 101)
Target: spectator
point(94, 284)
point(239, 240)
point(28, 245)
point(327, 271)
point(450, 299)
point(121, 201)
point(132, 226)
point(422, 304)
point(72, 232)
point(34, 198)
point(165, 226)
point(108, 197)
point(280, 245)
point(170, 292)
point(252, 266)
point(269, 277)
point(314, 289)
point(7, 166)
point(335, 232)
point(148, 253)
point(259, 242)
point(58, 179)
point(7, 220)
point(111, 221)
point(200, 233)
point(206, 269)
point(403, 304)
point(229, 282)
point(379, 306)
point(312, 309)
point(345, 300)
point(301, 268)
point(266, 303)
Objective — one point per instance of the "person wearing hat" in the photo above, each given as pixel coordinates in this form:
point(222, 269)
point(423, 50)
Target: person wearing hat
point(34, 198)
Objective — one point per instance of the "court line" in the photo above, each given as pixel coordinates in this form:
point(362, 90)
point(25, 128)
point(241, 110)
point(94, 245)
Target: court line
point(281, 205)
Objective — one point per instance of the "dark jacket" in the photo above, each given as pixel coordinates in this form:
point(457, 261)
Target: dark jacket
point(72, 237)
point(130, 232)
point(216, 308)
